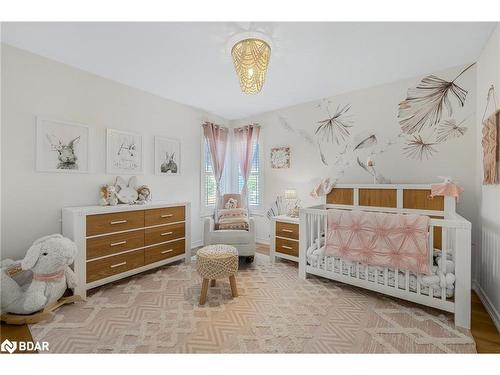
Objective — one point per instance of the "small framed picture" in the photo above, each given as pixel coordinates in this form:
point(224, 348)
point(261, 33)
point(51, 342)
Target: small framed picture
point(280, 157)
point(123, 152)
point(62, 146)
point(167, 156)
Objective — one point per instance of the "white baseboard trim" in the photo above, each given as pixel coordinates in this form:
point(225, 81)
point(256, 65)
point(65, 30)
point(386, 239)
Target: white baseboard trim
point(264, 241)
point(494, 314)
point(196, 244)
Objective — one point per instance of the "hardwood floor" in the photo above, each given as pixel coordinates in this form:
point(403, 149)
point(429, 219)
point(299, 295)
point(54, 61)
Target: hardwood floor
point(484, 331)
point(15, 333)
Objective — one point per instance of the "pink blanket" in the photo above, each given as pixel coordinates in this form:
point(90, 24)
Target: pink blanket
point(379, 239)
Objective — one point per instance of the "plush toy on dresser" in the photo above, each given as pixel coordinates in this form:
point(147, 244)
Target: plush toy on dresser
point(125, 192)
point(41, 278)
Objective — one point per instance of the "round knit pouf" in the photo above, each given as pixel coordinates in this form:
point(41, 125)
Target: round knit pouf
point(217, 262)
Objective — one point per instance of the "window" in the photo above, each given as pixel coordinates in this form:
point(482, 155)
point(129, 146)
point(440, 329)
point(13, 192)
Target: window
point(254, 180)
point(229, 184)
point(209, 194)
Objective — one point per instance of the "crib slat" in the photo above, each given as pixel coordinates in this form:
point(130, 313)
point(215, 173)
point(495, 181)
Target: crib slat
point(386, 276)
point(431, 243)
point(396, 278)
point(444, 259)
point(311, 235)
point(318, 224)
point(325, 230)
point(407, 281)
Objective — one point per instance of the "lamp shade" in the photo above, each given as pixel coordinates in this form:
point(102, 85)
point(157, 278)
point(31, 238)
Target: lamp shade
point(290, 194)
point(250, 59)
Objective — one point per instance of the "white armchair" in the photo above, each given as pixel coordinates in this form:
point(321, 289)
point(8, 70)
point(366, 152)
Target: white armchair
point(242, 240)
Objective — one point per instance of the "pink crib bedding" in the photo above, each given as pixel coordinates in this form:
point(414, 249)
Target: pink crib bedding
point(380, 239)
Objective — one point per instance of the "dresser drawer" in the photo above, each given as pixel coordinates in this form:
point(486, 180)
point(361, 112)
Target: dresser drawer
point(114, 243)
point(166, 215)
point(287, 230)
point(164, 251)
point(164, 233)
point(109, 223)
point(288, 247)
point(101, 268)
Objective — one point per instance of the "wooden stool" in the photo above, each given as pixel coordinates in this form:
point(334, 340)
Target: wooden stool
point(217, 262)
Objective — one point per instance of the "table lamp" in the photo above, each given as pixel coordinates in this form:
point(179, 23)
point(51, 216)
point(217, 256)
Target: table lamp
point(291, 197)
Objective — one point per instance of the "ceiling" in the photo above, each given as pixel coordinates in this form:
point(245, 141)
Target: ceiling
point(190, 62)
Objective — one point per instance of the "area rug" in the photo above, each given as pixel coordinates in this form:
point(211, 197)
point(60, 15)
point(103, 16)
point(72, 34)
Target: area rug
point(276, 312)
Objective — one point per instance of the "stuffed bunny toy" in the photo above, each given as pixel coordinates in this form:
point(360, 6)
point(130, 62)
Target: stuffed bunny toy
point(126, 191)
point(48, 261)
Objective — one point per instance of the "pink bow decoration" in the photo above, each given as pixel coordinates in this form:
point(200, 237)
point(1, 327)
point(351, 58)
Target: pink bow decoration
point(446, 189)
point(323, 188)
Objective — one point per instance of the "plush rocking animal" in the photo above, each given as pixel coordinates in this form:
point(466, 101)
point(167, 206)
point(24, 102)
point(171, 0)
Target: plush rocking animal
point(45, 278)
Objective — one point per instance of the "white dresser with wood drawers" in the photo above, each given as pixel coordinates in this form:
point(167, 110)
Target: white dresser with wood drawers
point(284, 238)
point(119, 241)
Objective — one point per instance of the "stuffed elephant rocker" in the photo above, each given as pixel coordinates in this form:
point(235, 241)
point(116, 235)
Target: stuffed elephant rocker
point(45, 278)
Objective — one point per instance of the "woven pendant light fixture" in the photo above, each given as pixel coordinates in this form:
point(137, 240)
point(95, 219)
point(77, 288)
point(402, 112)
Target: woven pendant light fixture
point(251, 59)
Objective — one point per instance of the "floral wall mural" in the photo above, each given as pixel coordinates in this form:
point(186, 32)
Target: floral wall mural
point(409, 131)
point(427, 117)
point(421, 114)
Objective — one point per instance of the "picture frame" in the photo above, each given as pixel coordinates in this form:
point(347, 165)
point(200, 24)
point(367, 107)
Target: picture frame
point(280, 157)
point(167, 156)
point(62, 146)
point(124, 152)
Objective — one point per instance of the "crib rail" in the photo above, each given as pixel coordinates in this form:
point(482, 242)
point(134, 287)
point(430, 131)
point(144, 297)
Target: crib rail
point(455, 246)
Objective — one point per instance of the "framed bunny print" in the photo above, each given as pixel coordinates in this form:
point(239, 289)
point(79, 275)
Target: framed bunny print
point(123, 152)
point(167, 156)
point(62, 146)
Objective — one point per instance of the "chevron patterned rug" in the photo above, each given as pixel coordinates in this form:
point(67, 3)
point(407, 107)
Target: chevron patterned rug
point(276, 312)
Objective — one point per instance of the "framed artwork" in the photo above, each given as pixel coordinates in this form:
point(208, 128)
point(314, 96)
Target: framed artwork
point(280, 157)
point(123, 152)
point(167, 156)
point(62, 146)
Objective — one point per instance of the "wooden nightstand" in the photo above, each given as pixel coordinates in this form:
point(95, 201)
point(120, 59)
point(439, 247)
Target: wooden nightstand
point(284, 238)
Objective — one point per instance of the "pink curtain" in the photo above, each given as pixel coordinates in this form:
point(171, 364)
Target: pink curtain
point(216, 137)
point(246, 137)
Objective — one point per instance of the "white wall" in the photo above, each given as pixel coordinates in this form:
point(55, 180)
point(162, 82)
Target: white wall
point(488, 259)
point(374, 109)
point(32, 86)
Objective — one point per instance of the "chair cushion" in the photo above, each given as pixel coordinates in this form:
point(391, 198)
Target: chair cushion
point(233, 219)
point(230, 237)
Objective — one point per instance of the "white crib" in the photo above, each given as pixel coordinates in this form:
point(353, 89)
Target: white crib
point(455, 239)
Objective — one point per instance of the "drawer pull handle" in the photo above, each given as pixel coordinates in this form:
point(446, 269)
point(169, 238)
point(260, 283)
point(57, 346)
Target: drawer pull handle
point(118, 264)
point(287, 230)
point(166, 233)
point(168, 215)
point(118, 222)
point(287, 247)
point(167, 251)
point(118, 243)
